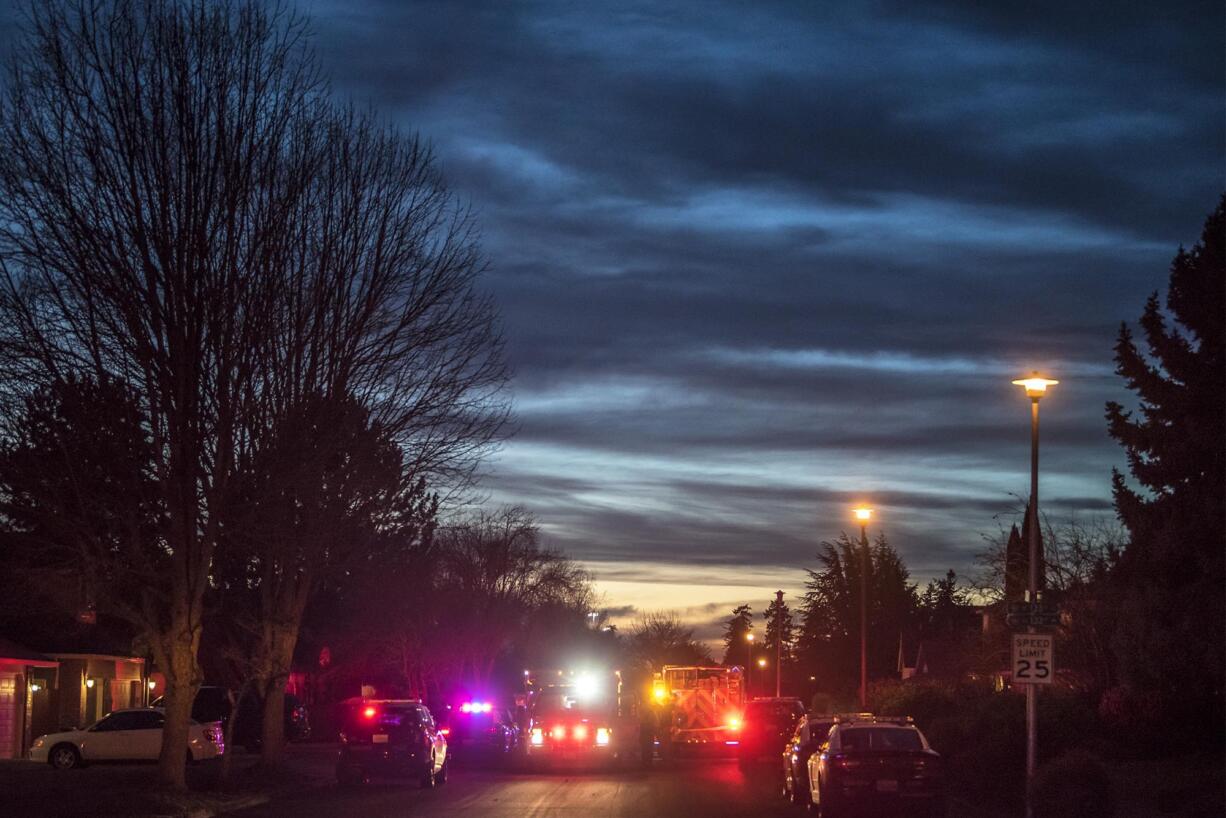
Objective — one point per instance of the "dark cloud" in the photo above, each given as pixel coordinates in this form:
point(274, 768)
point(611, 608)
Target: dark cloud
point(757, 261)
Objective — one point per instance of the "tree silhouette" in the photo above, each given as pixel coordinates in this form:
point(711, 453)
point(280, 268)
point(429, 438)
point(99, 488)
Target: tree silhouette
point(1173, 573)
point(736, 633)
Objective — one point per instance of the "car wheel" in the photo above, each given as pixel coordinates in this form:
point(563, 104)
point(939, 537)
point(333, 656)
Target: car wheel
point(430, 778)
point(441, 778)
point(64, 757)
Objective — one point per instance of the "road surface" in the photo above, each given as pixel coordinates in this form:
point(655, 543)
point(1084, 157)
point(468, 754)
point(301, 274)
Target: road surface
point(691, 789)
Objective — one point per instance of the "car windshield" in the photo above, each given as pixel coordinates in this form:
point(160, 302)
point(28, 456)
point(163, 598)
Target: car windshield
point(862, 739)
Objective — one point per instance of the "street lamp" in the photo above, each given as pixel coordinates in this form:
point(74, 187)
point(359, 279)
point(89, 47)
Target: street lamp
point(863, 515)
point(1036, 387)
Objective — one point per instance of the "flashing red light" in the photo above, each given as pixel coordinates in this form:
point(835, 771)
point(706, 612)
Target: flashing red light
point(446, 731)
point(580, 732)
point(369, 712)
point(558, 732)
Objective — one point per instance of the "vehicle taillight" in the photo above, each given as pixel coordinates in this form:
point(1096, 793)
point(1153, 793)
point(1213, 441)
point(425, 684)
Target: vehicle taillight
point(558, 733)
point(370, 712)
point(846, 763)
point(602, 736)
point(538, 735)
point(580, 732)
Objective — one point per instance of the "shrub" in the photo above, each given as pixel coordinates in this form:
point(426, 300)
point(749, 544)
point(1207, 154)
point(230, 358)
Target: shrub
point(1074, 785)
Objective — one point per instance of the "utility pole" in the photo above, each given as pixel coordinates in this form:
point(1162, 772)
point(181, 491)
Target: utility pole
point(778, 642)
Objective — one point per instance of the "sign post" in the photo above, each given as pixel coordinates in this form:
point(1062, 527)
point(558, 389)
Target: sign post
point(1034, 658)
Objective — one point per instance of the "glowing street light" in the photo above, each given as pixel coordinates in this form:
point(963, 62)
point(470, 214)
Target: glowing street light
point(1035, 385)
point(1036, 388)
point(863, 514)
point(761, 663)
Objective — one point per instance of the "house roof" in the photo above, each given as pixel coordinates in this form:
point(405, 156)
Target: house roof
point(13, 652)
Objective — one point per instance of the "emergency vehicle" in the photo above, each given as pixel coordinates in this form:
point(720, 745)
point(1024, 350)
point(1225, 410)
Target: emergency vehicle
point(586, 717)
point(702, 707)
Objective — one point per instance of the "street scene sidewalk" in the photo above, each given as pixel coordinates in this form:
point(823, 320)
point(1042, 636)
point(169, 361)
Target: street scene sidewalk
point(130, 789)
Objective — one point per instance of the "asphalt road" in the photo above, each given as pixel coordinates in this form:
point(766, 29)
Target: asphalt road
point(691, 789)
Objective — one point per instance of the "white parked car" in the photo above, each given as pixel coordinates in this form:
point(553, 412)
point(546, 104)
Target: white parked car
point(125, 735)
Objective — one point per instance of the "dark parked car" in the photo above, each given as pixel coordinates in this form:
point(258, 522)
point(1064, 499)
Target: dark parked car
point(482, 731)
point(213, 704)
point(878, 767)
point(392, 738)
point(766, 726)
point(810, 734)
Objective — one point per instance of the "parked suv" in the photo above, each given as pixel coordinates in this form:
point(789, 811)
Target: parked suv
point(766, 726)
point(882, 766)
point(391, 738)
point(212, 704)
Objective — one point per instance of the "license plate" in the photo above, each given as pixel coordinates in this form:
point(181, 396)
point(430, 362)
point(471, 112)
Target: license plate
point(379, 738)
point(887, 786)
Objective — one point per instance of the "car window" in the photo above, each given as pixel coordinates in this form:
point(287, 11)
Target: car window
point(427, 720)
point(145, 720)
point(880, 738)
point(119, 721)
point(818, 732)
point(105, 725)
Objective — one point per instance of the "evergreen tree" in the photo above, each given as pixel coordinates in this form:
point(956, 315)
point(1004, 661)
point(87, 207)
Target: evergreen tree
point(943, 606)
point(779, 621)
point(829, 641)
point(736, 630)
point(1172, 575)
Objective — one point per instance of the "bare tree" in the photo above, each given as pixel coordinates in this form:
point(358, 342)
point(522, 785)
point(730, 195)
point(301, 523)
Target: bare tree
point(658, 638)
point(496, 577)
point(185, 211)
point(149, 153)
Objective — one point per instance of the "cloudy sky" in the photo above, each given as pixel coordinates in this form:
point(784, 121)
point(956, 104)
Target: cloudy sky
point(759, 261)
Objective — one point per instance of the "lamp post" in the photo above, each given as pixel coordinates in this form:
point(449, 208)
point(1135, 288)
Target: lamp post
point(863, 514)
point(1036, 388)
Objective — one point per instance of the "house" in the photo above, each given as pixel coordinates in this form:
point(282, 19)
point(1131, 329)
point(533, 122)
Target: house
point(26, 681)
point(67, 673)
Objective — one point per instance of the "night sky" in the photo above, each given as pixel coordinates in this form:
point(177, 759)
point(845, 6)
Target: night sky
point(758, 262)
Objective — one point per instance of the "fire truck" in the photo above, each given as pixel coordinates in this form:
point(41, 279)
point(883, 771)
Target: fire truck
point(586, 717)
point(698, 707)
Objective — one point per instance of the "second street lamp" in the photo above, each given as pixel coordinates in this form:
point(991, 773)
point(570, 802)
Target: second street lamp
point(1036, 388)
point(863, 514)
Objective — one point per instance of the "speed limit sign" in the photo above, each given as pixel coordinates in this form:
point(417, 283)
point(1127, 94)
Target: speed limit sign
point(1034, 658)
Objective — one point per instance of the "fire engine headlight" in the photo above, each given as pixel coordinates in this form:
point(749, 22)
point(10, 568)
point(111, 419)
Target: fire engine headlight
point(602, 736)
point(538, 736)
